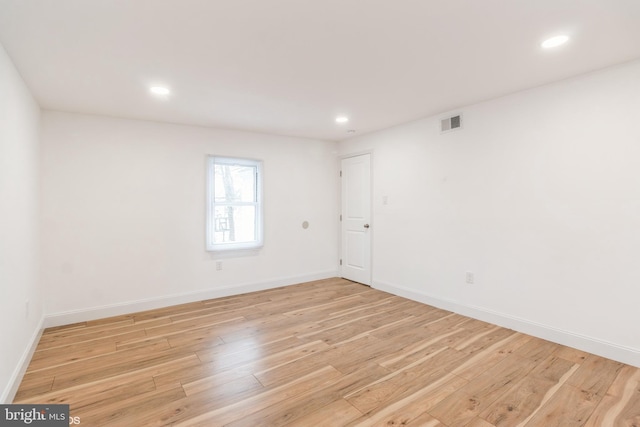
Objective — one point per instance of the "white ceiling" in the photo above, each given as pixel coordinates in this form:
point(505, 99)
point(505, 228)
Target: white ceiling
point(290, 66)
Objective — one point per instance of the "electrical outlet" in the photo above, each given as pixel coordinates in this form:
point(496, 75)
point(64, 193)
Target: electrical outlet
point(218, 265)
point(469, 278)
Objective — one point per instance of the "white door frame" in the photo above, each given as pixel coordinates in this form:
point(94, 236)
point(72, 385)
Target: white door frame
point(371, 221)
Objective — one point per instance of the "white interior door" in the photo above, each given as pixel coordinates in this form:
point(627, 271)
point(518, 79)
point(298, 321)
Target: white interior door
point(356, 219)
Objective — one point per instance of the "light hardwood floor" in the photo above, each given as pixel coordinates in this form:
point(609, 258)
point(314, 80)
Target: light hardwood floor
point(325, 353)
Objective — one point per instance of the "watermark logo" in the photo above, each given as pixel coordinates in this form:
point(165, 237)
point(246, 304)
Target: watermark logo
point(34, 415)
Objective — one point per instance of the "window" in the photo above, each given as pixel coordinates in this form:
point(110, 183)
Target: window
point(234, 203)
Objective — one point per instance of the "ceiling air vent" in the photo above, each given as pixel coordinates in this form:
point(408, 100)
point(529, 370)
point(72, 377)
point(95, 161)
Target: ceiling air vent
point(451, 123)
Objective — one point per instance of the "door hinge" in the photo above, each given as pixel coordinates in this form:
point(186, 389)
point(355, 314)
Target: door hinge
point(340, 174)
point(340, 217)
point(341, 262)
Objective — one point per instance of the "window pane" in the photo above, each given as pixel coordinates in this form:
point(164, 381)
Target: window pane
point(234, 224)
point(235, 183)
point(234, 199)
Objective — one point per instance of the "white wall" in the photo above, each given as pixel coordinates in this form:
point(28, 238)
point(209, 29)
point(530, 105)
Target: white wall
point(538, 196)
point(19, 193)
point(124, 214)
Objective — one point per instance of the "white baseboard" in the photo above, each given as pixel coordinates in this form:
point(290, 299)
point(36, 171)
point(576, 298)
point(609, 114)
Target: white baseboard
point(10, 391)
point(596, 346)
point(83, 315)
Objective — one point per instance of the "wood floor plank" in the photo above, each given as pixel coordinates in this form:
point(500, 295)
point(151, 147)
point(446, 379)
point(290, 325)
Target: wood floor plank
point(338, 412)
point(402, 408)
point(400, 383)
point(276, 375)
point(180, 411)
point(523, 399)
point(125, 412)
point(308, 401)
point(33, 384)
point(479, 422)
point(621, 404)
point(90, 395)
point(474, 397)
point(261, 357)
point(151, 344)
point(253, 404)
point(416, 411)
point(595, 375)
point(90, 374)
point(324, 353)
point(89, 338)
point(569, 407)
point(477, 363)
point(572, 354)
point(415, 350)
point(61, 355)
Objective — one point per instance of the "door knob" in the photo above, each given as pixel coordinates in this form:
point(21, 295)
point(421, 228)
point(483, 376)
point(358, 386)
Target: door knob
point(366, 226)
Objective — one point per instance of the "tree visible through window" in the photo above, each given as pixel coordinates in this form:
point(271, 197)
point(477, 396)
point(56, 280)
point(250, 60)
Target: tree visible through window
point(234, 208)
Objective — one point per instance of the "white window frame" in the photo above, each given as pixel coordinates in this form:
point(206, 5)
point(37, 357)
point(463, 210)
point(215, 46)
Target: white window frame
point(211, 204)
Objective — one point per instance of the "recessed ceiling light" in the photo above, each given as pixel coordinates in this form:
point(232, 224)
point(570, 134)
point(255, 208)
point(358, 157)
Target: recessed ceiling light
point(555, 41)
point(159, 90)
point(342, 119)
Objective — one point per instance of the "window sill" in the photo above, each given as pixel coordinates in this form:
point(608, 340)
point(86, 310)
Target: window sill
point(233, 253)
